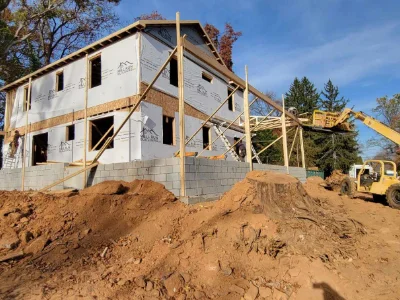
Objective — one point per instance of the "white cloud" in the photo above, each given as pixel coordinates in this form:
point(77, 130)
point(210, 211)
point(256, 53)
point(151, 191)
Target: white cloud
point(352, 57)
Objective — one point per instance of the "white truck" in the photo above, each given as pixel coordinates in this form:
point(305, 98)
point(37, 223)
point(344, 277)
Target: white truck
point(355, 169)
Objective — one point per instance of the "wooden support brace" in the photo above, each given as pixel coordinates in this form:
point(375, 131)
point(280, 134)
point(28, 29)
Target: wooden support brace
point(247, 122)
point(228, 127)
point(84, 169)
point(212, 115)
point(103, 137)
point(294, 140)
point(303, 158)
point(273, 142)
point(27, 104)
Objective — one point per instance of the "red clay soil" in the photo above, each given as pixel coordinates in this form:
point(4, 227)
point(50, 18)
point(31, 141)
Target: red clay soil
point(270, 237)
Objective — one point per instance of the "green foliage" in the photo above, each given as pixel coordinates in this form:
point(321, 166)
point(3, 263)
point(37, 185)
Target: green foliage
point(273, 155)
point(331, 102)
point(335, 151)
point(302, 95)
point(388, 112)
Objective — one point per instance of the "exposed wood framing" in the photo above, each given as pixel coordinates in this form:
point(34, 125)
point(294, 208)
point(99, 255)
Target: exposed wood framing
point(69, 176)
point(236, 79)
point(284, 137)
point(102, 138)
point(210, 116)
point(303, 158)
point(85, 121)
point(237, 118)
point(247, 120)
point(181, 85)
point(294, 141)
point(26, 135)
point(273, 142)
point(77, 115)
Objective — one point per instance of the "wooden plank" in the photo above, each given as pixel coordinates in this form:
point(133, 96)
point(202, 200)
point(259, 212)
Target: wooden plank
point(26, 134)
point(182, 135)
point(78, 115)
point(69, 177)
point(231, 76)
point(294, 140)
point(103, 137)
point(215, 157)
point(212, 115)
point(247, 120)
point(85, 120)
point(284, 137)
point(187, 154)
point(303, 158)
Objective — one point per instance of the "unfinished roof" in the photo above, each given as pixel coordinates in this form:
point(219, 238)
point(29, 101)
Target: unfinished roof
point(110, 39)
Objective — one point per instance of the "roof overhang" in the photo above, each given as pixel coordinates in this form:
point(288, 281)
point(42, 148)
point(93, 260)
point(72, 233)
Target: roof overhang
point(108, 40)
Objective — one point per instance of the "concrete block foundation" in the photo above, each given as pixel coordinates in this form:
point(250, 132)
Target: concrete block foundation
point(206, 179)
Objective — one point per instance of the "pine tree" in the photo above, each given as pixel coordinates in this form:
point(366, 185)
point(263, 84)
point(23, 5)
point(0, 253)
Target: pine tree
point(302, 95)
point(339, 151)
point(331, 101)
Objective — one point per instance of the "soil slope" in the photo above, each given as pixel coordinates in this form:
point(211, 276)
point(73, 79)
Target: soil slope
point(270, 237)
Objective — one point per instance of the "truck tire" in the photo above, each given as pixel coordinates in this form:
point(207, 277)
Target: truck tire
point(393, 196)
point(348, 187)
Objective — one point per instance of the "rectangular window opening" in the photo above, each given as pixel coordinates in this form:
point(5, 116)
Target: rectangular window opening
point(70, 133)
point(173, 72)
point(39, 148)
point(95, 72)
point(97, 130)
point(206, 138)
point(207, 77)
point(59, 81)
point(168, 130)
point(27, 102)
point(231, 104)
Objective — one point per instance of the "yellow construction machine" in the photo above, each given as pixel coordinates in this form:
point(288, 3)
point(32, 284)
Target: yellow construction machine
point(381, 180)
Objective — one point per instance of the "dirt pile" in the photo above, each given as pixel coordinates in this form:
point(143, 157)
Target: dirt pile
point(335, 180)
point(267, 238)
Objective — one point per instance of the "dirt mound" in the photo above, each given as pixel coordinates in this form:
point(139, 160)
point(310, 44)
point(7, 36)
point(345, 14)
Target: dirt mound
point(335, 180)
point(265, 239)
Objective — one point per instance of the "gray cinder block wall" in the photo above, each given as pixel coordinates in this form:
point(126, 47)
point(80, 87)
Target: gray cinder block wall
point(205, 179)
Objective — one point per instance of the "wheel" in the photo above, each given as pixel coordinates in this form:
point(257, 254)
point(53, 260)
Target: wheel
point(348, 187)
point(393, 195)
point(379, 198)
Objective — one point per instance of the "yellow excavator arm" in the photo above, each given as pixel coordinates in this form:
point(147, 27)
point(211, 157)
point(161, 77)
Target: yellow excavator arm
point(340, 121)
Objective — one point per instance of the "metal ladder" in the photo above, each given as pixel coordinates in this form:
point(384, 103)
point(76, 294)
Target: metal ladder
point(226, 142)
point(9, 162)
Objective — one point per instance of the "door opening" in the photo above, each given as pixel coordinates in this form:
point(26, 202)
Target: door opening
point(39, 148)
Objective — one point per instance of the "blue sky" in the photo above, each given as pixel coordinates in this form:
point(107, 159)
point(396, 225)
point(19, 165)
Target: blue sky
point(355, 43)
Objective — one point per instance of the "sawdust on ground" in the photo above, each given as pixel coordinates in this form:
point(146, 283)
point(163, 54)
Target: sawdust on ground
point(270, 237)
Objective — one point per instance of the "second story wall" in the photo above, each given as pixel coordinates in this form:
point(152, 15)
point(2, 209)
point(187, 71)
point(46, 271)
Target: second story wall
point(119, 79)
point(203, 94)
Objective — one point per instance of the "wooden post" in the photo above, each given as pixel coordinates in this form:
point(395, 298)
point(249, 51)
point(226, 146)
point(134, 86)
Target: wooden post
point(284, 136)
point(303, 159)
point(181, 106)
point(294, 140)
point(247, 122)
point(25, 134)
point(85, 122)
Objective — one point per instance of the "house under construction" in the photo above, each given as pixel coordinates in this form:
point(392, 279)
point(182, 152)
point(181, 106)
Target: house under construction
point(124, 102)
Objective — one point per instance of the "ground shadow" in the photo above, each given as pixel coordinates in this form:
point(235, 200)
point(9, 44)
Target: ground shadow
point(329, 292)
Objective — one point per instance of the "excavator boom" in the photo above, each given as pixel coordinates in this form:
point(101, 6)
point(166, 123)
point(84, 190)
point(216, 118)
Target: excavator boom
point(340, 122)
